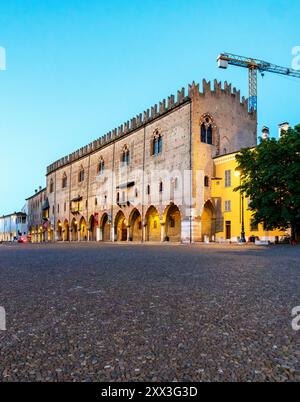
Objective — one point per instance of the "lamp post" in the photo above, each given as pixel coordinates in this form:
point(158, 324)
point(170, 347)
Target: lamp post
point(242, 200)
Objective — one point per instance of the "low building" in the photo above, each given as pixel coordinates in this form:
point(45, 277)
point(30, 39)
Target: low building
point(230, 210)
point(13, 226)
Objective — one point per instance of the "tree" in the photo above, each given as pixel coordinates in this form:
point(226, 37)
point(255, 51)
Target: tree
point(270, 177)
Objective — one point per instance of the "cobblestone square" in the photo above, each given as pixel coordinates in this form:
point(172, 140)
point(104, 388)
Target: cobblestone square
point(112, 312)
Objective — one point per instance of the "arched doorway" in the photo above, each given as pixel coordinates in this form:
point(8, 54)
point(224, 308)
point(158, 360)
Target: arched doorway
point(120, 227)
point(172, 219)
point(105, 228)
point(153, 226)
point(92, 229)
point(83, 229)
point(66, 231)
point(59, 231)
point(74, 230)
point(136, 230)
point(208, 222)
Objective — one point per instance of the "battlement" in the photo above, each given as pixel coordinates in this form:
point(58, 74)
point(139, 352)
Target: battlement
point(149, 115)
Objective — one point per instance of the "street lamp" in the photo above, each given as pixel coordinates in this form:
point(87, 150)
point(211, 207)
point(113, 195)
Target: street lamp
point(242, 198)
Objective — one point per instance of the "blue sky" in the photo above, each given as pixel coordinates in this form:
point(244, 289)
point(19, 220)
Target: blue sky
point(76, 69)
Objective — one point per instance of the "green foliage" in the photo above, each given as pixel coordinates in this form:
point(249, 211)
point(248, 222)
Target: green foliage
point(270, 177)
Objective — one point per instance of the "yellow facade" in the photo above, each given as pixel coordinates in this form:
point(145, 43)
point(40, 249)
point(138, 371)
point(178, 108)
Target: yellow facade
point(230, 205)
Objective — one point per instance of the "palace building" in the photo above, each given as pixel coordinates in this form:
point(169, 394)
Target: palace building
point(165, 175)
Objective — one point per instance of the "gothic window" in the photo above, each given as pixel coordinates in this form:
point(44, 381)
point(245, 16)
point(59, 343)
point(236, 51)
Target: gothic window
point(64, 181)
point(207, 131)
point(148, 189)
point(157, 144)
point(161, 187)
point(81, 175)
point(125, 156)
point(101, 166)
point(206, 181)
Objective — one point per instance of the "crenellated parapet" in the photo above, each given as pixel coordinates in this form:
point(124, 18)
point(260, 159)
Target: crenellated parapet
point(216, 90)
point(151, 114)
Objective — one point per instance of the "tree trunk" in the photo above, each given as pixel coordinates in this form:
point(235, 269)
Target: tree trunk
point(294, 232)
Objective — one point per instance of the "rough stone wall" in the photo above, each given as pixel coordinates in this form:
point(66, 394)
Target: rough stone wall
point(99, 192)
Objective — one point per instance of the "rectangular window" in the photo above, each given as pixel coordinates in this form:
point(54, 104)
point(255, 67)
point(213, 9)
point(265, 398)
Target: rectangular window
point(227, 206)
point(227, 178)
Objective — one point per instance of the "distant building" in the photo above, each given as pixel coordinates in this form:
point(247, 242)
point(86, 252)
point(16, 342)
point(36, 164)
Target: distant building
point(13, 226)
point(36, 226)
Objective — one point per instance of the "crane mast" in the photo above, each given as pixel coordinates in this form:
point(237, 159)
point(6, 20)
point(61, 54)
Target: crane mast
point(253, 66)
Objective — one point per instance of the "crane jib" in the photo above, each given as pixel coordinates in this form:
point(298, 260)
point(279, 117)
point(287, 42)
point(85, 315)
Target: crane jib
point(254, 65)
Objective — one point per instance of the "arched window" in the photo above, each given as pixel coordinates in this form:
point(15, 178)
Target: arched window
point(118, 198)
point(148, 189)
point(206, 181)
point(81, 175)
point(64, 181)
point(51, 186)
point(125, 156)
point(207, 130)
point(157, 144)
point(101, 166)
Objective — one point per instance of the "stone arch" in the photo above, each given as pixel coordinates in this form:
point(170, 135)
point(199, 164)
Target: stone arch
point(172, 221)
point(59, 230)
point(153, 225)
point(135, 226)
point(92, 229)
point(208, 221)
point(82, 229)
point(66, 234)
point(74, 230)
point(120, 227)
point(105, 227)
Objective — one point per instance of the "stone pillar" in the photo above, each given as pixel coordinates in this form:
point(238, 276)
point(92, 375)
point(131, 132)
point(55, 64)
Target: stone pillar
point(112, 231)
point(144, 234)
point(78, 235)
point(128, 233)
point(162, 231)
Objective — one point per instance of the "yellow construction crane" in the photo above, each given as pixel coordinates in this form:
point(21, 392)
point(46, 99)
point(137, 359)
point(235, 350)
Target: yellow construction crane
point(254, 66)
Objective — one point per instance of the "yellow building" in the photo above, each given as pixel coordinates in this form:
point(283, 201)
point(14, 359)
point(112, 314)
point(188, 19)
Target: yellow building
point(230, 206)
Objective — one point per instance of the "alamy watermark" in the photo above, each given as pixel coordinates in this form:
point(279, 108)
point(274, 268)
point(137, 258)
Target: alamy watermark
point(296, 58)
point(2, 319)
point(2, 59)
point(296, 318)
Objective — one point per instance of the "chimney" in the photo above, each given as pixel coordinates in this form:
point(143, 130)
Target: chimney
point(283, 127)
point(265, 133)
